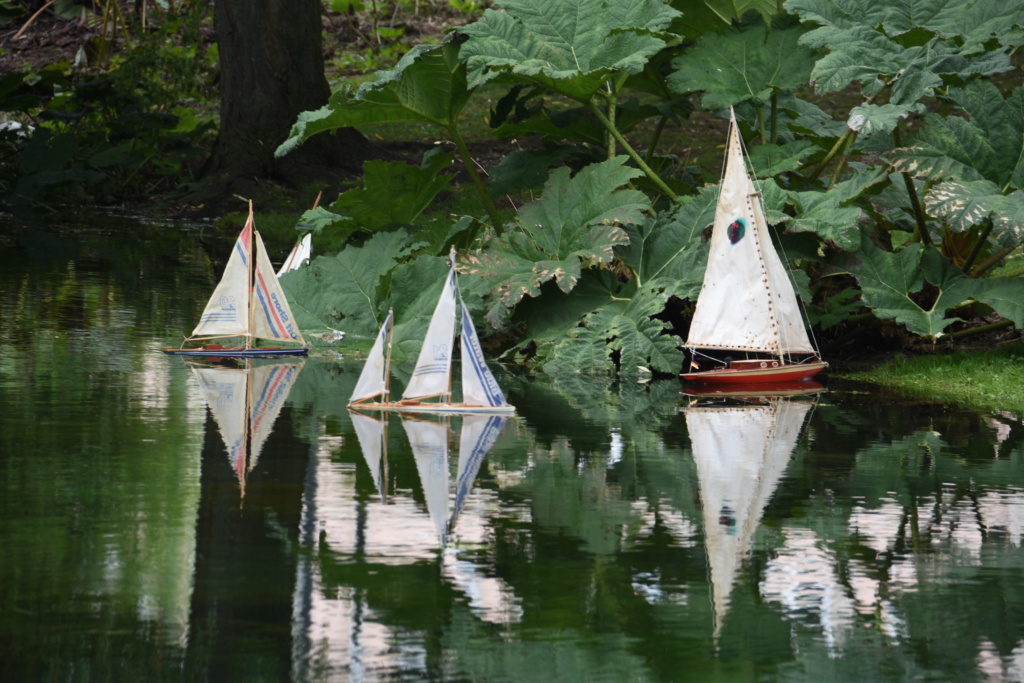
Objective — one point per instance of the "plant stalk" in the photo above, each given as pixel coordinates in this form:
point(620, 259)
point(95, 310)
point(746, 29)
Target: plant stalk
point(986, 230)
point(478, 182)
point(971, 331)
point(654, 177)
point(993, 260)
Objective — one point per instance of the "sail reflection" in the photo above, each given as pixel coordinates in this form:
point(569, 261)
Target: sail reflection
point(741, 452)
point(245, 399)
point(342, 626)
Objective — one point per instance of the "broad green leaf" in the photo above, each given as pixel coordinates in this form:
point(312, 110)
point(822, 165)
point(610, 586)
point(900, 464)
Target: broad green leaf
point(990, 145)
point(864, 43)
point(747, 63)
point(768, 161)
point(967, 204)
point(316, 220)
point(1004, 295)
point(874, 118)
point(394, 192)
point(575, 224)
point(824, 214)
point(528, 168)
point(668, 248)
point(572, 46)
point(733, 10)
point(630, 329)
point(428, 84)
point(889, 280)
point(640, 339)
point(346, 291)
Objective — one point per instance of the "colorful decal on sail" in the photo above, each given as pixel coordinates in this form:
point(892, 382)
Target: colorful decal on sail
point(273, 310)
point(736, 230)
point(474, 356)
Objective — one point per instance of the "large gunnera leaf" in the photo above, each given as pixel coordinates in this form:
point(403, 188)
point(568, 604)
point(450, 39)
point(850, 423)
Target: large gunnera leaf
point(892, 284)
point(572, 46)
point(967, 204)
point(575, 224)
point(344, 291)
point(428, 85)
point(747, 63)
point(911, 46)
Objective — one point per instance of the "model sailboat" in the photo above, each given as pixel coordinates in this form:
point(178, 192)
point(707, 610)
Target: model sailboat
point(741, 453)
point(747, 303)
point(248, 304)
point(299, 255)
point(430, 387)
point(245, 402)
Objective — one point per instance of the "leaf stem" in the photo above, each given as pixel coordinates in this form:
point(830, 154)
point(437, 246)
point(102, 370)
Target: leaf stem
point(775, 117)
point(986, 230)
point(467, 161)
point(655, 178)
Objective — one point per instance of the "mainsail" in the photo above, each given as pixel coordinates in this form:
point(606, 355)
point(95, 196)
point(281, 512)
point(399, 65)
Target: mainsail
point(227, 311)
point(747, 301)
point(431, 375)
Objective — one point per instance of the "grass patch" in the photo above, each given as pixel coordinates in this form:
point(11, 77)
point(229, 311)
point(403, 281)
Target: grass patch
point(989, 380)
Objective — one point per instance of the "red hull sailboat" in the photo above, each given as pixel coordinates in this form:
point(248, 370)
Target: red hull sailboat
point(747, 304)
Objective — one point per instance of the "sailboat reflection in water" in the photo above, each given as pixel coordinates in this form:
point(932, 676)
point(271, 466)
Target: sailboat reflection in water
point(741, 451)
point(429, 439)
point(490, 598)
point(245, 401)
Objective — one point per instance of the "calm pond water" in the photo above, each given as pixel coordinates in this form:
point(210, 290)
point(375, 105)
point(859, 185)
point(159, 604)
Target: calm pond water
point(604, 533)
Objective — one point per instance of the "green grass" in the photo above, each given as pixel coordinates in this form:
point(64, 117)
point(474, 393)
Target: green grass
point(990, 380)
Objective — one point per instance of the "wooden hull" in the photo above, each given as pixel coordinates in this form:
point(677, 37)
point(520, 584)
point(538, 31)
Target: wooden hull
point(756, 372)
point(237, 352)
point(441, 408)
point(756, 390)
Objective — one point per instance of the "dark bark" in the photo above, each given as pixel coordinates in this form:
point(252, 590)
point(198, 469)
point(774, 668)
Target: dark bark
point(271, 70)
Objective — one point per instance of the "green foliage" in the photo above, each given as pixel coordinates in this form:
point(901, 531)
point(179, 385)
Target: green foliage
point(575, 224)
point(747, 63)
point(573, 47)
point(393, 192)
point(112, 132)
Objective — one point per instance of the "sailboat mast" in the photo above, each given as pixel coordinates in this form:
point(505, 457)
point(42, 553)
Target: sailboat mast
point(251, 281)
point(455, 278)
point(387, 357)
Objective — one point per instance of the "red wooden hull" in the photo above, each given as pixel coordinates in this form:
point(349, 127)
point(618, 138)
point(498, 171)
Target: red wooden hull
point(756, 372)
point(755, 390)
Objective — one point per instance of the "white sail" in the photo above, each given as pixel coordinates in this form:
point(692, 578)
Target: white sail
point(271, 316)
point(269, 385)
point(479, 388)
point(225, 390)
point(432, 374)
point(371, 434)
point(479, 432)
point(747, 301)
point(227, 312)
point(429, 443)
point(372, 380)
point(741, 453)
point(299, 255)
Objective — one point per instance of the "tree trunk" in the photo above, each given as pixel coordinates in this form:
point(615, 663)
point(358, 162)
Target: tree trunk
point(271, 69)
